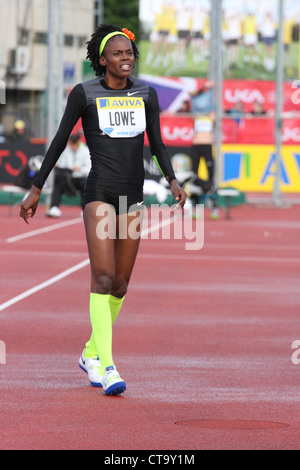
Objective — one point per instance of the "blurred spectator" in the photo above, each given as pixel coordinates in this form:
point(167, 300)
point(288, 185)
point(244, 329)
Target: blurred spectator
point(20, 131)
point(234, 38)
point(81, 165)
point(288, 26)
point(238, 109)
point(237, 113)
point(202, 101)
point(203, 148)
point(71, 172)
point(202, 106)
point(268, 35)
point(250, 38)
point(257, 109)
point(185, 107)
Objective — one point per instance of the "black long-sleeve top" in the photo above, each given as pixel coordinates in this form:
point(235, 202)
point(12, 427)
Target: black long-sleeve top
point(120, 159)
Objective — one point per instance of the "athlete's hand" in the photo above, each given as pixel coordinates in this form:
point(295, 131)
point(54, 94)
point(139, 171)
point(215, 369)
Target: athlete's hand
point(178, 193)
point(29, 205)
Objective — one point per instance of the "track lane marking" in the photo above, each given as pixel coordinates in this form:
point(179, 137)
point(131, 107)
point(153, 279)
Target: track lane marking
point(44, 285)
point(68, 272)
point(71, 254)
point(49, 228)
point(163, 256)
point(250, 259)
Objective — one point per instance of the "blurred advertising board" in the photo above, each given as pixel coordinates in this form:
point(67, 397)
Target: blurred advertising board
point(247, 153)
point(248, 168)
point(14, 156)
point(252, 168)
point(173, 91)
point(175, 51)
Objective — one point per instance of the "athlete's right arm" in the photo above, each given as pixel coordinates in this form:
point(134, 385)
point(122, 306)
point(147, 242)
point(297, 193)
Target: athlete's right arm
point(74, 110)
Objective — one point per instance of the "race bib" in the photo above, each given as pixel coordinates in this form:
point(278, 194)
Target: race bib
point(121, 116)
point(203, 124)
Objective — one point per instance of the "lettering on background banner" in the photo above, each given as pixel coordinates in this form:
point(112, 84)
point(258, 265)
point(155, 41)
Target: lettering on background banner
point(14, 156)
point(6, 161)
point(270, 171)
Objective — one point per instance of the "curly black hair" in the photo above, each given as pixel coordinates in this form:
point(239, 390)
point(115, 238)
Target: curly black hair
point(94, 44)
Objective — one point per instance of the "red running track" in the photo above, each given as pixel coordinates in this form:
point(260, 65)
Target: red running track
point(204, 340)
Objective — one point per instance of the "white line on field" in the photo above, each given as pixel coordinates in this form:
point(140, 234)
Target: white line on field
point(45, 284)
point(40, 231)
point(221, 258)
point(70, 271)
point(31, 253)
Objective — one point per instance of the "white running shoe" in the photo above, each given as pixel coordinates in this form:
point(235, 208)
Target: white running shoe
point(54, 212)
point(93, 368)
point(112, 382)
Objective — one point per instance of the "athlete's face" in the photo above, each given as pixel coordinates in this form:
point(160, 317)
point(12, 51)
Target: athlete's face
point(118, 57)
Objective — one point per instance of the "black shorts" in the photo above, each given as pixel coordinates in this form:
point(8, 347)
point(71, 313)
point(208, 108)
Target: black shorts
point(197, 35)
point(206, 151)
point(183, 34)
point(124, 198)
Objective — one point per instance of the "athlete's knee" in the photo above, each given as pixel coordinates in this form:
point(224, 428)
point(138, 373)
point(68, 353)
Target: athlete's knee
point(119, 288)
point(102, 283)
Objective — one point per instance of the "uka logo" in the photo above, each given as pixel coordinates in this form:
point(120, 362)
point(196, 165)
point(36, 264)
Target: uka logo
point(246, 95)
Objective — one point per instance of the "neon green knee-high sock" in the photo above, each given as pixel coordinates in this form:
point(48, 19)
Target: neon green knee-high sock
point(115, 306)
point(102, 328)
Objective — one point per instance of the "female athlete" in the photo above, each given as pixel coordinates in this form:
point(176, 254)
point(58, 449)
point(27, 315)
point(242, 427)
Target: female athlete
point(115, 111)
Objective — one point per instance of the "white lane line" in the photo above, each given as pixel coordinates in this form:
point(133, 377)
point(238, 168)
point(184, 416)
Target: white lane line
point(70, 254)
point(162, 256)
point(221, 258)
point(69, 271)
point(45, 284)
point(234, 288)
point(40, 231)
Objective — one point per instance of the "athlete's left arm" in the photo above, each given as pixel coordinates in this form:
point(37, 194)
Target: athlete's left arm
point(158, 148)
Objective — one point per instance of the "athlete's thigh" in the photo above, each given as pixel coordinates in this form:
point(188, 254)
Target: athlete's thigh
point(100, 227)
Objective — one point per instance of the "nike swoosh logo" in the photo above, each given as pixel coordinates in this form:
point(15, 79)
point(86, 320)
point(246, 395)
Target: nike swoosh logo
point(139, 203)
point(130, 94)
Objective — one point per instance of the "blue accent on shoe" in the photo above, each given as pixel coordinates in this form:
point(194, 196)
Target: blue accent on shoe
point(116, 389)
point(110, 368)
point(94, 384)
point(97, 385)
